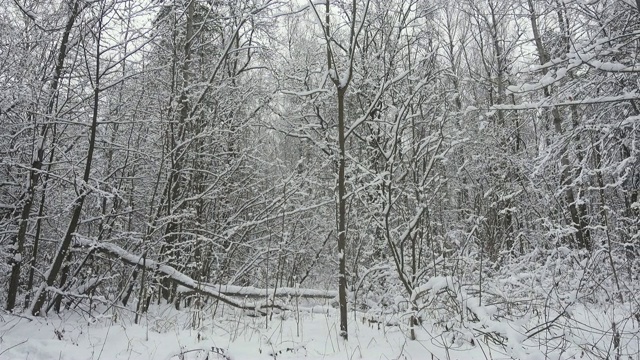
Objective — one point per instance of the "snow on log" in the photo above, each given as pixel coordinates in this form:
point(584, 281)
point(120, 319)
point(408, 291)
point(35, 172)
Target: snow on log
point(253, 292)
point(173, 274)
point(186, 284)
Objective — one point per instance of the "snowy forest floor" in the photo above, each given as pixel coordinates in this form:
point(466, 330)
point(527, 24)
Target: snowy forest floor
point(166, 333)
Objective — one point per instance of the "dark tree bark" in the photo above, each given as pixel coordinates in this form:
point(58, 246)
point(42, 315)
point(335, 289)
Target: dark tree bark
point(64, 248)
point(577, 213)
point(36, 167)
point(342, 217)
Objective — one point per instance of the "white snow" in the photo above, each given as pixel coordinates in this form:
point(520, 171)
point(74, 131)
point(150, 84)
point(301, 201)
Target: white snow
point(250, 291)
point(221, 332)
point(305, 93)
point(164, 334)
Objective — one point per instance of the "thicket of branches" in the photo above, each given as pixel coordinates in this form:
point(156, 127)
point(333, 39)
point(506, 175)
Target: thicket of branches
point(443, 150)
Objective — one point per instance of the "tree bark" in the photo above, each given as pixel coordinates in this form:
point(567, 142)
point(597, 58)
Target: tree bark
point(176, 184)
point(36, 167)
point(342, 217)
point(63, 250)
point(582, 235)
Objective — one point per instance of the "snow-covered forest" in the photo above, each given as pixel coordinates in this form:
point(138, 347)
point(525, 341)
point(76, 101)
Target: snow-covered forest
point(332, 179)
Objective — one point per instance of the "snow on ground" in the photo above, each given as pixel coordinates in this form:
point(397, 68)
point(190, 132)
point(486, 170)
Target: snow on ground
point(223, 333)
point(165, 333)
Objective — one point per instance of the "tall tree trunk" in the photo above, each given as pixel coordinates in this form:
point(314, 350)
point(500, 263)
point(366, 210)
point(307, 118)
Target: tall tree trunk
point(341, 82)
point(341, 87)
point(582, 236)
point(36, 167)
point(342, 217)
point(63, 249)
point(176, 183)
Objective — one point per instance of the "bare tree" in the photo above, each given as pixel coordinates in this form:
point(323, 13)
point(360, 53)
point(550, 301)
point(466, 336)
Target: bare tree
point(27, 198)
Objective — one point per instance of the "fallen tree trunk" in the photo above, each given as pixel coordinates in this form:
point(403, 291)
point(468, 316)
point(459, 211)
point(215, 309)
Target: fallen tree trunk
point(222, 293)
point(253, 292)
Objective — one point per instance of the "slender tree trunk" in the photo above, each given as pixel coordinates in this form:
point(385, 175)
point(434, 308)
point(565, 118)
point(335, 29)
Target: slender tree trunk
point(341, 82)
point(63, 249)
point(582, 236)
point(177, 185)
point(342, 217)
point(36, 167)
point(63, 280)
point(41, 209)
